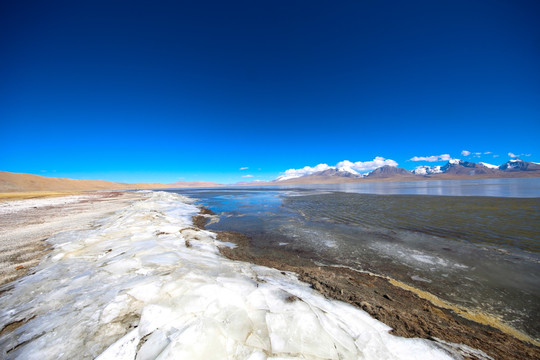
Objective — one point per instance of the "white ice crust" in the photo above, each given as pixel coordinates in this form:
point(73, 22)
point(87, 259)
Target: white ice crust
point(10, 207)
point(146, 285)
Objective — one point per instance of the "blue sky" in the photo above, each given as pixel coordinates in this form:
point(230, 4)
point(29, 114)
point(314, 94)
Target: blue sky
point(166, 91)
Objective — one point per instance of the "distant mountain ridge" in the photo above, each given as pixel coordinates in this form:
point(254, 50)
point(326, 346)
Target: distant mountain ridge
point(388, 171)
point(461, 167)
point(455, 168)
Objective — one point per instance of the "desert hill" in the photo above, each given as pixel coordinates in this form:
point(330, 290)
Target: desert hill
point(19, 182)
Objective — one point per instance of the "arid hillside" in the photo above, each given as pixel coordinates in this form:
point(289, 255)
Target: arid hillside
point(19, 182)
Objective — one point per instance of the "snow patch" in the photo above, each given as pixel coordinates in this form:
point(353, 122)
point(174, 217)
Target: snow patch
point(489, 165)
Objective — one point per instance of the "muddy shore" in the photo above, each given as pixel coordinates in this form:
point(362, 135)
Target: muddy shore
point(408, 314)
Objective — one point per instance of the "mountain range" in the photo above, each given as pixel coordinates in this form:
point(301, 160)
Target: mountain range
point(454, 169)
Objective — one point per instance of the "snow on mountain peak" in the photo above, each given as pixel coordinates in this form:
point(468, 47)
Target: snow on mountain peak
point(306, 170)
point(491, 166)
point(427, 170)
point(345, 166)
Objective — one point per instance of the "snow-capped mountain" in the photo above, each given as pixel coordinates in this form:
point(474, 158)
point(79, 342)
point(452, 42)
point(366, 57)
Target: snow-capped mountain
point(339, 172)
point(427, 170)
point(455, 168)
point(320, 170)
point(330, 172)
point(344, 174)
point(388, 171)
point(519, 165)
point(460, 167)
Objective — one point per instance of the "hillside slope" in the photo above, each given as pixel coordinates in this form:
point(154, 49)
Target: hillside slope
point(20, 182)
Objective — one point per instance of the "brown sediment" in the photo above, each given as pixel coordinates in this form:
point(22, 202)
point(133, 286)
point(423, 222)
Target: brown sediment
point(406, 311)
point(14, 325)
point(200, 220)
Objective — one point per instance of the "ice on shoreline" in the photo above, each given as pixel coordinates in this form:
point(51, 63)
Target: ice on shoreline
point(147, 285)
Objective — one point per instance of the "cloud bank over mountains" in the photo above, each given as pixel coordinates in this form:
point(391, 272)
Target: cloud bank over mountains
point(361, 168)
point(345, 166)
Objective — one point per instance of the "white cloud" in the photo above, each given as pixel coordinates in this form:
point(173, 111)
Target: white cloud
point(512, 155)
point(475, 154)
point(495, 156)
point(244, 168)
point(433, 158)
point(445, 157)
point(306, 170)
point(345, 165)
point(379, 161)
point(247, 176)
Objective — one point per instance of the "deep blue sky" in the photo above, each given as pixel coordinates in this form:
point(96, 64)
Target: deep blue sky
point(164, 91)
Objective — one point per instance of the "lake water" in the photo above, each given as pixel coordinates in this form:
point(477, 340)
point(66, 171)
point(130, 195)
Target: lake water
point(475, 243)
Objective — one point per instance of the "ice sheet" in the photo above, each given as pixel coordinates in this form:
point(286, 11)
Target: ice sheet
point(147, 285)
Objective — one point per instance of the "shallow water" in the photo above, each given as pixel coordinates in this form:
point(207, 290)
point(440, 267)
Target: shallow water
point(479, 252)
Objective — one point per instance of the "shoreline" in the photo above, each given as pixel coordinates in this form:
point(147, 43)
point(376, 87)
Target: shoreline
point(106, 292)
point(404, 311)
point(408, 311)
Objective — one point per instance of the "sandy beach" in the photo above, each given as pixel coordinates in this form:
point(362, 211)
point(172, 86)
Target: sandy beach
point(25, 224)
